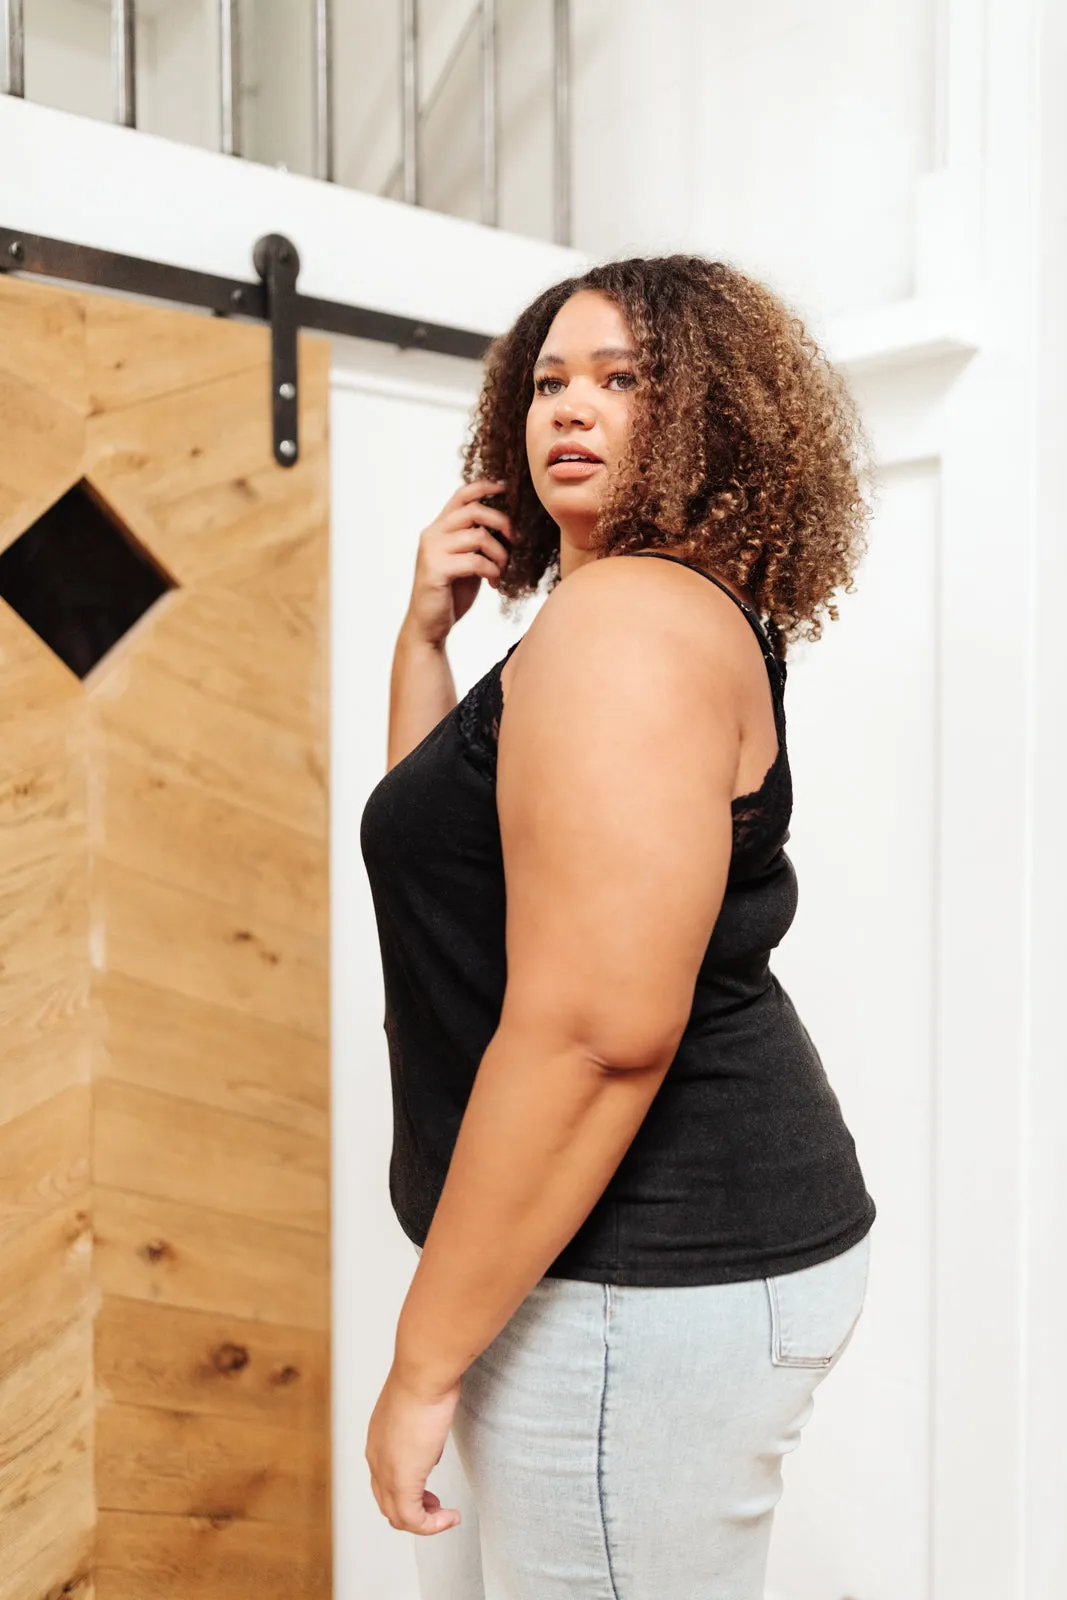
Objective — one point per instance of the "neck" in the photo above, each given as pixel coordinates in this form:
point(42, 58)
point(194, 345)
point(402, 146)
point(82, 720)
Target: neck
point(574, 548)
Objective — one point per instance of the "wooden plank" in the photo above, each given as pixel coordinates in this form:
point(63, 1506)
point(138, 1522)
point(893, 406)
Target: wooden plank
point(49, 1027)
point(159, 1250)
point(148, 714)
point(151, 1355)
point(47, 1406)
point(252, 651)
point(44, 905)
point(44, 444)
point(44, 918)
point(45, 1280)
point(194, 1558)
point(48, 1540)
point(32, 677)
point(153, 1144)
point(42, 785)
point(271, 539)
point(50, 1041)
point(176, 940)
point(157, 1039)
point(180, 834)
point(134, 353)
point(42, 339)
point(258, 531)
point(186, 1464)
point(44, 1159)
point(210, 445)
point(42, 400)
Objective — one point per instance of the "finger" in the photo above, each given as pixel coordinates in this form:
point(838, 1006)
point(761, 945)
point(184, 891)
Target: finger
point(416, 1514)
point(483, 539)
point(475, 514)
point(480, 486)
point(471, 564)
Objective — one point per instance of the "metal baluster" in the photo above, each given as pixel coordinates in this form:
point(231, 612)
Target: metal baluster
point(15, 40)
point(561, 102)
point(124, 61)
point(490, 176)
point(229, 78)
point(410, 103)
point(324, 143)
point(433, 94)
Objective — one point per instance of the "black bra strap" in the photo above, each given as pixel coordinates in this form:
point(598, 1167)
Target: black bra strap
point(756, 624)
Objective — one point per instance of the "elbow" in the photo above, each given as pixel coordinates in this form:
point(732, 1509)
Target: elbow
point(622, 1050)
point(610, 1036)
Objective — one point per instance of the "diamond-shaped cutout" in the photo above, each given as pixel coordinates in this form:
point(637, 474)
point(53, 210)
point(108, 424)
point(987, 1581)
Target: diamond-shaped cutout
point(80, 579)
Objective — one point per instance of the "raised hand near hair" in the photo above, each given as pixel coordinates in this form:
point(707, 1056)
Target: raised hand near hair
point(464, 544)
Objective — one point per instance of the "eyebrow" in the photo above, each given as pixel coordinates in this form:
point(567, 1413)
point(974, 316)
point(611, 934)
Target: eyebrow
point(608, 352)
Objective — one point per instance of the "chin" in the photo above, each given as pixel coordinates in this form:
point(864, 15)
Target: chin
point(571, 502)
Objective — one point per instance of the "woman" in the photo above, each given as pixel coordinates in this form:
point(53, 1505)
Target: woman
point(646, 1231)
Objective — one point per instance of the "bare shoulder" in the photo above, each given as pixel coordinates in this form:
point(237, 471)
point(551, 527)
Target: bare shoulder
point(638, 619)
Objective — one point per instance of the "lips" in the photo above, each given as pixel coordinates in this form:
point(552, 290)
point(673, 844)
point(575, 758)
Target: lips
point(559, 452)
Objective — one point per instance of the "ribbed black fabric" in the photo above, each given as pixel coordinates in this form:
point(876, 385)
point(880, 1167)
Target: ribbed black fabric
point(743, 1166)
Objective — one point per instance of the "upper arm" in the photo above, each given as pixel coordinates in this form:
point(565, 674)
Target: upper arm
point(617, 756)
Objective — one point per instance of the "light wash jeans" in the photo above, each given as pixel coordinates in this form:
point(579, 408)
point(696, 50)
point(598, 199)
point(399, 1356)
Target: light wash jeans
point(626, 1443)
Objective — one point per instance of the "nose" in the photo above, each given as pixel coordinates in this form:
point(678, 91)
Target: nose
point(572, 411)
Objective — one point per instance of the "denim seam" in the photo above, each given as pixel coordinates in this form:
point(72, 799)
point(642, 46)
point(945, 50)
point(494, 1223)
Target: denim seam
point(600, 1444)
point(778, 1357)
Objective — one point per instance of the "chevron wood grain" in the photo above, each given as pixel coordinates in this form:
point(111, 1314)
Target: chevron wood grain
point(164, 917)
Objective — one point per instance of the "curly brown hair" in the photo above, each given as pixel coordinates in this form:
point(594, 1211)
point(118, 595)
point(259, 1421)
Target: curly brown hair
point(747, 454)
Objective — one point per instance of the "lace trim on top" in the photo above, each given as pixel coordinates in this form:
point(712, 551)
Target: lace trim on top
point(760, 818)
point(479, 718)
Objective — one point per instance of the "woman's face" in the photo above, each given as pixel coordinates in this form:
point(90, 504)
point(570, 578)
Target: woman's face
point(581, 406)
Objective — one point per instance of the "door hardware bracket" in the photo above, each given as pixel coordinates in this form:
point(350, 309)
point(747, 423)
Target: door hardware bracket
point(277, 261)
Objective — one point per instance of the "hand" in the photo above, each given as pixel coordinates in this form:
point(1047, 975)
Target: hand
point(456, 551)
point(405, 1441)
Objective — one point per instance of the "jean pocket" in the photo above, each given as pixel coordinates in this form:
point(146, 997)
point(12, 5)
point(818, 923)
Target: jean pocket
point(814, 1311)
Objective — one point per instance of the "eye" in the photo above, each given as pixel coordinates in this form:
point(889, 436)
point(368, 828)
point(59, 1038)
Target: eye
point(628, 380)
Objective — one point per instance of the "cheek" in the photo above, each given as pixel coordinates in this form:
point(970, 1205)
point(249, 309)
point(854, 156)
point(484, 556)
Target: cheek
point(618, 424)
point(534, 426)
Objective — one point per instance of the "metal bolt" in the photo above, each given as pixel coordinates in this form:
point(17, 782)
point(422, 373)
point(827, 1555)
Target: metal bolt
point(419, 333)
point(15, 250)
point(237, 297)
point(287, 391)
point(287, 448)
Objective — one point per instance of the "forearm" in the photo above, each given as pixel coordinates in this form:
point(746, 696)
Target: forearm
point(421, 692)
point(544, 1130)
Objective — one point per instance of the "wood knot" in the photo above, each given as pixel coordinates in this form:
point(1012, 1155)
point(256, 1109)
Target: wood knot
point(79, 1584)
point(231, 1358)
point(80, 1224)
point(285, 1375)
point(156, 1250)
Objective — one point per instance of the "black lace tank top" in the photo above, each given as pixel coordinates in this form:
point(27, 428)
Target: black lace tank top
point(743, 1166)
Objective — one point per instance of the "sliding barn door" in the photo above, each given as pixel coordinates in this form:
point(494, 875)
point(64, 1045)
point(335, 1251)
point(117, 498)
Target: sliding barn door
point(164, 1274)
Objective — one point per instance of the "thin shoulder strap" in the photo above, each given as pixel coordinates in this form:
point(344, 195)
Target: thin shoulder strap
point(756, 624)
